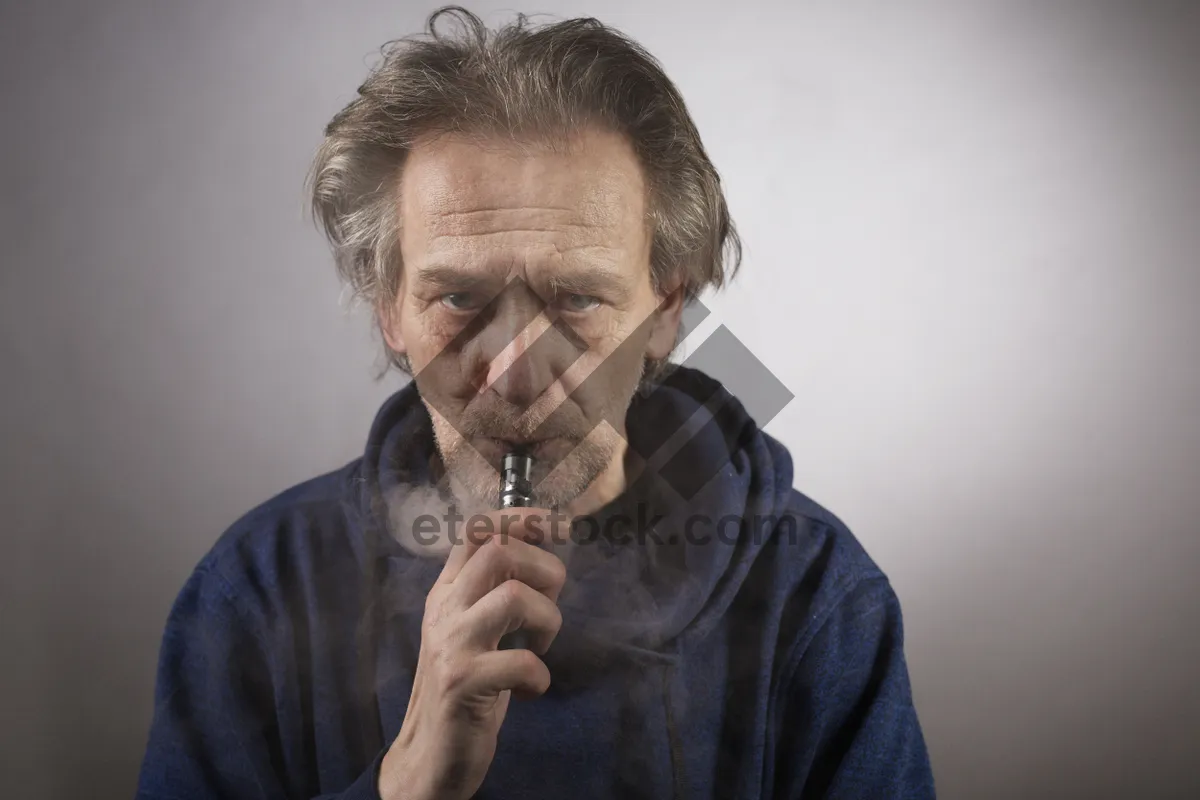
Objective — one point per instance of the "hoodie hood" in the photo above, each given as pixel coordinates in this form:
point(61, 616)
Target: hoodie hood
point(659, 563)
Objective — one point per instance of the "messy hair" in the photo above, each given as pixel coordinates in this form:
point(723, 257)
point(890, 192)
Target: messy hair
point(523, 81)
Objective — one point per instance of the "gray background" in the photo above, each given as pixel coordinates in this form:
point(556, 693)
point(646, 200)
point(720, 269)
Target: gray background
point(972, 254)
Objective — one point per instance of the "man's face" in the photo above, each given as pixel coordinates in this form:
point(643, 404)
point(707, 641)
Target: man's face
point(526, 306)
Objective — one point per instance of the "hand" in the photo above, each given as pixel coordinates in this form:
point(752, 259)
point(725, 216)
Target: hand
point(491, 585)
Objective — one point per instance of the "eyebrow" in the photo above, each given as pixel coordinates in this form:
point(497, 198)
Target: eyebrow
point(590, 280)
point(445, 276)
point(593, 281)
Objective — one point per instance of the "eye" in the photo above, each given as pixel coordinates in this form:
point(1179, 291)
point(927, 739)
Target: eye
point(581, 302)
point(459, 301)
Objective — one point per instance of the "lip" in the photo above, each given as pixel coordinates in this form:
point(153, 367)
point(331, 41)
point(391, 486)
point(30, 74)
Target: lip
point(509, 445)
point(495, 449)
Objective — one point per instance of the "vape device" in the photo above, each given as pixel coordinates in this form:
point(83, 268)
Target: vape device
point(516, 491)
point(516, 470)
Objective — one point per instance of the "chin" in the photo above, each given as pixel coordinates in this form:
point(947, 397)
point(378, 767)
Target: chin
point(555, 481)
point(563, 467)
point(571, 475)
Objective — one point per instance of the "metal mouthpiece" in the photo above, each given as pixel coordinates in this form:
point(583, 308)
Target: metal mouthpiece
point(516, 472)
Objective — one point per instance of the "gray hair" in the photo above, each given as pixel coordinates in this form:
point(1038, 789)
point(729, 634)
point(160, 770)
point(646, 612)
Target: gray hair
point(521, 81)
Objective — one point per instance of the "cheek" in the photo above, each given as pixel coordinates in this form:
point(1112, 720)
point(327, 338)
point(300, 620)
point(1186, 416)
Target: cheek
point(612, 363)
point(426, 335)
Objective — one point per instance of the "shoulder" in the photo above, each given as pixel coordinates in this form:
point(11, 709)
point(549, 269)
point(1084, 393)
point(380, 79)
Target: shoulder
point(807, 542)
point(843, 559)
point(829, 573)
point(303, 535)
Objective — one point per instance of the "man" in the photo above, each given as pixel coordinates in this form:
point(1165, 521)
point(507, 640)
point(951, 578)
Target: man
point(528, 211)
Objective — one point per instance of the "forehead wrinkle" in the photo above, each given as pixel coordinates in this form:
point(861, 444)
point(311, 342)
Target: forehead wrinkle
point(485, 221)
point(507, 230)
point(487, 209)
point(535, 255)
point(588, 200)
point(595, 178)
point(531, 245)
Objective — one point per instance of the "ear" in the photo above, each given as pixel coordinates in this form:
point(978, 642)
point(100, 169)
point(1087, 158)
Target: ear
point(389, 326)
point(666, 321)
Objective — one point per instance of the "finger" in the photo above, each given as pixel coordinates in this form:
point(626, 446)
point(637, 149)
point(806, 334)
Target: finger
point(520, 523)
point(510, 606)
point(533, 525)
point(500, 561)
point(460, 554)
point(494, 671)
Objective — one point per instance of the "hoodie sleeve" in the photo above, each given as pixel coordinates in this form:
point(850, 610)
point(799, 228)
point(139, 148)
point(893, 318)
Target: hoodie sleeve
point(849, 728)
point(214, 732)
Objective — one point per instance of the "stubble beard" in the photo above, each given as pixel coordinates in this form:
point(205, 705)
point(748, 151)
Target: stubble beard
point(475, 482)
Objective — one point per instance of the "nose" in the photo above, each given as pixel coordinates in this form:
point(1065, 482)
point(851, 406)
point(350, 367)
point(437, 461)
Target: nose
point(521, 365)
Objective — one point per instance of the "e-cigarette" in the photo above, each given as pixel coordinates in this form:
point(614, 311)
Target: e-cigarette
point(516, 471)
point(516, 491)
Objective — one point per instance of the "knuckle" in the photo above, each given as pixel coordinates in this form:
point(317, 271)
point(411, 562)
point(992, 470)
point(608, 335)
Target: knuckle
point(496, 555)
point(528, 661)
point(536, 674)
point(507, 542)
point(511, 592)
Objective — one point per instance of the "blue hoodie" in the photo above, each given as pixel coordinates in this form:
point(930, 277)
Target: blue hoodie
point(723, 636)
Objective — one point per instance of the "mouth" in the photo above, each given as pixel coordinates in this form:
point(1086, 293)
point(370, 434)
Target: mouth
point(494, 449)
